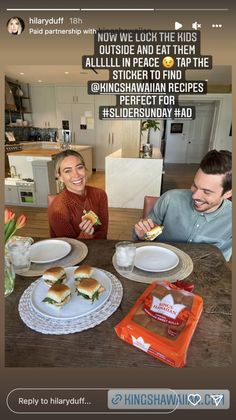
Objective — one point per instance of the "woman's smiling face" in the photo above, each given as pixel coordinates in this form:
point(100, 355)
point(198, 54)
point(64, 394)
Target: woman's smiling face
point(73, 174)
point(14, 26)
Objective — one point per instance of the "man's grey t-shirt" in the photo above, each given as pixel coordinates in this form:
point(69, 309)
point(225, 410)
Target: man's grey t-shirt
point(182, 223)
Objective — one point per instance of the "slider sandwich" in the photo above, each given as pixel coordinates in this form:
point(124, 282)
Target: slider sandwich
point(90, 215)
point(152, 234)
point(58, 295)
point(89, 289)
point(83, 272)
point(54, 275)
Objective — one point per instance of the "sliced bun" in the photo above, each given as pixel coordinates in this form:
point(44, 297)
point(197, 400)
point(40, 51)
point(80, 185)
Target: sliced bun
point(88, 287)
point(90, 215)
point(153, 233)
point(83, 272)
point(54, 275)
point(58, 295)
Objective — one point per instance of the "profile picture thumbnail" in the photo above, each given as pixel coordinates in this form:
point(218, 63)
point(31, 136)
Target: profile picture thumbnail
point(15, 25)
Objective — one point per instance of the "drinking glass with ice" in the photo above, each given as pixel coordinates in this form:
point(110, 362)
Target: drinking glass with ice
point(125, 256)
point(19, 252)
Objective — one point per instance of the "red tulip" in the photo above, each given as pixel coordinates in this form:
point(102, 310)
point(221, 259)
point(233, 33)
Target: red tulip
point(8, 215)
point(21, 221)
point(11, 225)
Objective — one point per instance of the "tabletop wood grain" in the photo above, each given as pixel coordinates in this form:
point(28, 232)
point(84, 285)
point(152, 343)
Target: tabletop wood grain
point(100, 346)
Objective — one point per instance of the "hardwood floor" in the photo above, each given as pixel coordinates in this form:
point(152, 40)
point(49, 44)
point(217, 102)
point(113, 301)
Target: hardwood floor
point(121, 221)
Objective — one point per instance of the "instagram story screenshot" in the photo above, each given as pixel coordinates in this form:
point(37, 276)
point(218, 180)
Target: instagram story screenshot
point(116, 195)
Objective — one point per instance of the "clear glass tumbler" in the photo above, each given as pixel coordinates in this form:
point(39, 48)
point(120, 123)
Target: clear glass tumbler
point(125, 256)
point(19, 252)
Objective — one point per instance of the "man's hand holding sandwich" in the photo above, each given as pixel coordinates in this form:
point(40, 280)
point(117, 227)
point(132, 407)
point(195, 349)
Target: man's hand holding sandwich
point(146, 229)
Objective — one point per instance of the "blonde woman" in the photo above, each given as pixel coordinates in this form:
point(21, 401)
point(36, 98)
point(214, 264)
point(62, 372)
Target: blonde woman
point(66, 212)
point(15, 25)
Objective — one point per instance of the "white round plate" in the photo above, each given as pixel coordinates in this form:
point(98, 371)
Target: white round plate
point(156, 259)
point(49, 250)
point(77, 306)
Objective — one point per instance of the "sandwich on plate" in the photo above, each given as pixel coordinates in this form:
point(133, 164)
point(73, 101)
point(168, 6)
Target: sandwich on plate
point(83, 272)
point(89, 289)
point(152, 234)
point(54, 275)
point(58, 295)
point(90, 215)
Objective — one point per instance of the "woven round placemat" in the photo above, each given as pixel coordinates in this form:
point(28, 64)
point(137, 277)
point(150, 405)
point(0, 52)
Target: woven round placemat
point(180, 272)
point(77, 254)
point(45, 325)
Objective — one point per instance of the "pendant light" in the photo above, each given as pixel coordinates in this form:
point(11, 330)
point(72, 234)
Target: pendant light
point(19, 92)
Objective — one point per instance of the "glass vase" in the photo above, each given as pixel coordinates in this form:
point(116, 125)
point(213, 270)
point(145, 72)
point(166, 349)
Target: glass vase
point(9, 275)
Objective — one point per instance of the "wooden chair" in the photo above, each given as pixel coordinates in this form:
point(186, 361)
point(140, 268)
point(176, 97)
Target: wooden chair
point(148, 204)
point(51, 197)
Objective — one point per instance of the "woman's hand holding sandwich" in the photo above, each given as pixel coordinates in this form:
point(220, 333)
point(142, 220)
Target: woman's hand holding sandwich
point(89, 219)
point(87, 227)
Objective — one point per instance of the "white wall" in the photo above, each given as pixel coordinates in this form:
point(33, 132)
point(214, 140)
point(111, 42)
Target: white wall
point(222, 139)
point(218, 130)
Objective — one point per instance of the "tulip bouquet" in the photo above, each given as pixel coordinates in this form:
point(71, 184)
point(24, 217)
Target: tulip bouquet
point(11, 224)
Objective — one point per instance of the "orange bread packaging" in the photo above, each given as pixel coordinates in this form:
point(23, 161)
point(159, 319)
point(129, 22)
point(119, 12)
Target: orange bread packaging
point(162, 322)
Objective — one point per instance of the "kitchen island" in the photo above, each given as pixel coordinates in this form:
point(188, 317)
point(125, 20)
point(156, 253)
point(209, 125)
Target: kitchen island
point(129, 179)
point(34, 173)
point(45, 151)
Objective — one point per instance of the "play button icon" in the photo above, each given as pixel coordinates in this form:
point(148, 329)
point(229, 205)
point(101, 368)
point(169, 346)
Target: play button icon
point(178, 25)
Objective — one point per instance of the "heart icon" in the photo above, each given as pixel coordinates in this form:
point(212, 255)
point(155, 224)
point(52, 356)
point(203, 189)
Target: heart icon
point(194, 399)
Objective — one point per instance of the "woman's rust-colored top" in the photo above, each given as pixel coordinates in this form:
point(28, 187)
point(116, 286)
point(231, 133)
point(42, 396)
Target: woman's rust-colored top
point(66, 210)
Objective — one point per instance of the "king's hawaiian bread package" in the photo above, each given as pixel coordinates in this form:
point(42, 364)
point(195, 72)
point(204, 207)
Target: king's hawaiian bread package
point(162, 322)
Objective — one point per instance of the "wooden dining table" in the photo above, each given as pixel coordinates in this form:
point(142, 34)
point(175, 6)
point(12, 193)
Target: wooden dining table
point(100, 346)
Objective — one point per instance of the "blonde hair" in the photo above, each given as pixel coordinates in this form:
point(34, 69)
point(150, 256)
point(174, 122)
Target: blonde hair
point(17, 20)
point(61, 156)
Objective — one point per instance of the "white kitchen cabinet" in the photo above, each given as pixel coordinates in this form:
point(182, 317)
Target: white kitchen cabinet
point(112, 135)
point(44, 177)
point(77, 107)
point(81, 122)
point(64, 113)
point(73, 95)
point(83, 113)
point(11, 194)
point(108, 137)
point(43, 106)
point(115, 136)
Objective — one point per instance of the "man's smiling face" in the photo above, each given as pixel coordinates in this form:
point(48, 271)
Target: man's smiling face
point(207, 191)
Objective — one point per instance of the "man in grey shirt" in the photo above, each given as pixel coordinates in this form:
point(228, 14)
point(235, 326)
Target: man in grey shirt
point(202, 214)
